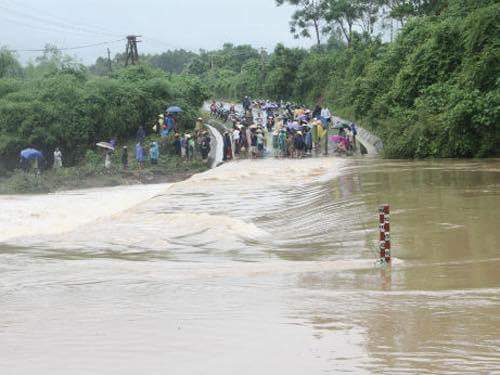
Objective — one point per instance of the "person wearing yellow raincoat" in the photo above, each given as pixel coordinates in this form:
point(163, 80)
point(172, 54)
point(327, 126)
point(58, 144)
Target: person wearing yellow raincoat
point(320, 136)
point(159, 125)
point(314, 133)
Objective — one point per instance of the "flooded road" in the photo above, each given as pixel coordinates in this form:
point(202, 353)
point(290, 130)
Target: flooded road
point(258, 267)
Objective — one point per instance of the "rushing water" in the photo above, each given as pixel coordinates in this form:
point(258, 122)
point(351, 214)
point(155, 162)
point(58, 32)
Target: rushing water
point(257, 267)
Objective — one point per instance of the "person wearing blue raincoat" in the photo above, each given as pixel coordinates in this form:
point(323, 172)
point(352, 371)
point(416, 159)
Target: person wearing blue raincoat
point(154, 153)
point(169, 125)
point(139, 155)
point(282, 142)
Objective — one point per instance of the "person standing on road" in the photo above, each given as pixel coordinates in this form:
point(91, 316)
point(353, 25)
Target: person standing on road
point(282, 142)
point(125, 157)
point(326, 115)
point(298, 144)
point(246, 103)
point(236, 140)
point(57, 158)
point(354, 134)
point(205, 146)
point(139, 155)
point(228, 152)
point(190, 147)
point(154, 153)
point(317, 111)
point(260, 143)
point(184, 146)
point(178, 144)
point(308, 141)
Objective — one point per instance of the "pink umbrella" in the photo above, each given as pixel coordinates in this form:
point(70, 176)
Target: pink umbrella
point(339, 139)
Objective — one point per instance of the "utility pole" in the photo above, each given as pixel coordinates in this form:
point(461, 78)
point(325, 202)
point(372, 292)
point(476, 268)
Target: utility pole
point(262, 61)
point(392, 31)
point(110, 68)
point(131, 53)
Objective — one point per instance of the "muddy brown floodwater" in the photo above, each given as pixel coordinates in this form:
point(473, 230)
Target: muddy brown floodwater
point(258, 267)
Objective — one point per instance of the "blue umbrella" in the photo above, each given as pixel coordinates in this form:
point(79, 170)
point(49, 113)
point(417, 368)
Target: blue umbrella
point(270, 106)
point(174, 109)
point(31, 153)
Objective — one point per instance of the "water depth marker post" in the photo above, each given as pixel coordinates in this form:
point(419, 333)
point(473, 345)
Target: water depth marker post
point(385, 233)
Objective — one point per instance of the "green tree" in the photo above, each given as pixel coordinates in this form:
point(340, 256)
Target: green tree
point(198, 66)
point(282, 69)
point(9, 66)
point(171, 61)
point(309, 15)
point(58, 104)
point(402, 10)
point(342, 16)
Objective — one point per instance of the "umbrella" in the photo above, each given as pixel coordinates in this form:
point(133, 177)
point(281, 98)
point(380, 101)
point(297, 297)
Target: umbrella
point(339, 139)
point(31, 153)
point(341, 126)
point(270, 106)
point(174, 109)
point(105, 145)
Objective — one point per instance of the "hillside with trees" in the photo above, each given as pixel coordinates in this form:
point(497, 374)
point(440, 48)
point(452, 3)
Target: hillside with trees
point(422, 74)
point(430, 92)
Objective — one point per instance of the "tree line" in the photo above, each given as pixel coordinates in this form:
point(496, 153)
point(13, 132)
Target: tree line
point(57, 102)
point(430, 92)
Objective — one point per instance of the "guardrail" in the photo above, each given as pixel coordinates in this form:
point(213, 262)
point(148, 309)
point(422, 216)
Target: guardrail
point(371, 142)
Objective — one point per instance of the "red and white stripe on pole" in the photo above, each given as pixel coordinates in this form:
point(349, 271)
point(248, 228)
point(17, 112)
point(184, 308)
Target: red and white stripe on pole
point(385, 232)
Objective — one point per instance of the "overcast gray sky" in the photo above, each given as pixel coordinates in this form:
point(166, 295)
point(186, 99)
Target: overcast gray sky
point(164, 24)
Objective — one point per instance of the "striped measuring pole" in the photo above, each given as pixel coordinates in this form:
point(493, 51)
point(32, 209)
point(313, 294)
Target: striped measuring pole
point(385, 233)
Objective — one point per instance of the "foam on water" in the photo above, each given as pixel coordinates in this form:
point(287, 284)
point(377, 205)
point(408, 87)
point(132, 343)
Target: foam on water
point(31, 215)
point(213, 211)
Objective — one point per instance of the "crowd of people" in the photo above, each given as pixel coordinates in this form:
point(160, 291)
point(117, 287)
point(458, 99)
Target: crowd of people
point(165, 136)
point(261, 128)
point(283, 130)
point(188, 146)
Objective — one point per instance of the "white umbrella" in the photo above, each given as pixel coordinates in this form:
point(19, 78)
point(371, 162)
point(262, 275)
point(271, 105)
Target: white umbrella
point(105, 145)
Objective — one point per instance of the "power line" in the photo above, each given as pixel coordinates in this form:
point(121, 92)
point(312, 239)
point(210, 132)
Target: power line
point(158, 41)
point(52, 23)
point(69, 22)
point(48, 22)
point(47, 28)
point(71, 48)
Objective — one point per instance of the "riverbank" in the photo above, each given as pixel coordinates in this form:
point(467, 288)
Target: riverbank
point(93, 175)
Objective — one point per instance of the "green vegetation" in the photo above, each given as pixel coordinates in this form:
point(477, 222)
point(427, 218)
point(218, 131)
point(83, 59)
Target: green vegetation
point(431, 92)
point(57, 102)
